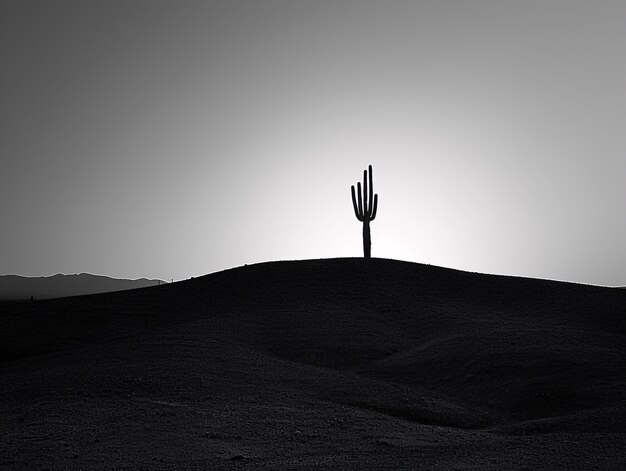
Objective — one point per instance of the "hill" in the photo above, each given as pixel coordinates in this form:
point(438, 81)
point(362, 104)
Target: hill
point(342, 364)
point(57, 286)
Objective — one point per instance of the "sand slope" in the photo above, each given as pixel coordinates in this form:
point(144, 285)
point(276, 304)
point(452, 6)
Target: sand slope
point(343, 363)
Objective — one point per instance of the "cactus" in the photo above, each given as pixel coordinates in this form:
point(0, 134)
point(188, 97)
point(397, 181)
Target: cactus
point(365, 209)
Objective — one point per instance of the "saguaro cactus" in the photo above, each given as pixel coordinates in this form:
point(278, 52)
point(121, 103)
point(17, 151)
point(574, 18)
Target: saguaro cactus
point(365, 209)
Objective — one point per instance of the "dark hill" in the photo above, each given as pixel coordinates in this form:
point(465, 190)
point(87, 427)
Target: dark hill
point(57, 286)
point(345, 364)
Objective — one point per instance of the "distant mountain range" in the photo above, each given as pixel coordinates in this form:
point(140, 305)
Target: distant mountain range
point(58, 286)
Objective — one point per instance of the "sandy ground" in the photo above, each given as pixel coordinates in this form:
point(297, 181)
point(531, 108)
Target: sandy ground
point(321, 364)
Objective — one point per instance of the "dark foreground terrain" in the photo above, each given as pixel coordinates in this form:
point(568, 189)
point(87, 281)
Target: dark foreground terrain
point(344, 364)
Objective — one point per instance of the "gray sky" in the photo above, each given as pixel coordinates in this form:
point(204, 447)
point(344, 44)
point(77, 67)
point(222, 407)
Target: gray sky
point(175, 138)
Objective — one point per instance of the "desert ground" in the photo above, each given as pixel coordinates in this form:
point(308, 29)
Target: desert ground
point(318, 364)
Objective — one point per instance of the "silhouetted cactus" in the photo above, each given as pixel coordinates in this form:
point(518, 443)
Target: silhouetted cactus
point(365, 209)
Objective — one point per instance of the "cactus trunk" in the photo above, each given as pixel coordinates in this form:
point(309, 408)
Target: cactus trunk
point(367, 241)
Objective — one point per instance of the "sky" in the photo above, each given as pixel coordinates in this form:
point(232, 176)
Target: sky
point(170, 139)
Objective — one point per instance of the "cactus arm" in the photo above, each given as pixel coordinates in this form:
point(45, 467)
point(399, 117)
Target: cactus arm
point(375, 208)
point(369, 209)
point(354, 205)
point(358, 186)
point(366, 210)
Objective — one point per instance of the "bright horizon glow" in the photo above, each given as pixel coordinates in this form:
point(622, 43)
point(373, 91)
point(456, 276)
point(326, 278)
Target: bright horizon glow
point(173, 139)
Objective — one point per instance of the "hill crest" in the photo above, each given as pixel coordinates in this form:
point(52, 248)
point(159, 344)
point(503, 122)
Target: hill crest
point(375, 362)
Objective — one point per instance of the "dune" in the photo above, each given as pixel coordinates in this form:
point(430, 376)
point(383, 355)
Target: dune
point(318, 364)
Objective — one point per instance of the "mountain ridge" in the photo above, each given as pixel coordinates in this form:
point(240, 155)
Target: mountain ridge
point(18, 287)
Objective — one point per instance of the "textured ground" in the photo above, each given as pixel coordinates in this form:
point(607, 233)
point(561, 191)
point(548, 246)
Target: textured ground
point(345, 364)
